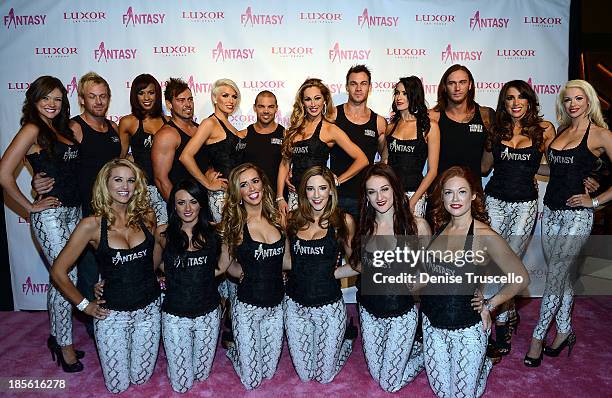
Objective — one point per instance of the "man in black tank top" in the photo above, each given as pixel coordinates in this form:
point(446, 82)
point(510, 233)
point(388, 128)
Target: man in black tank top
point(169, 141)
point(264, 138)
point(464, 124)
point(364, 127)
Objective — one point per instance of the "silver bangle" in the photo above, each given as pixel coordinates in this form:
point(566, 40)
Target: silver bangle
point(82, 305)
point(595, 202)
point(488, 305)
point(279, 199)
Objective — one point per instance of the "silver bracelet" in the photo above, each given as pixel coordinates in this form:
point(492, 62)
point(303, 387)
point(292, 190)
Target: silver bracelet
point(595, 203)
point(82, 305)
point(488, 305)
point(279, 199)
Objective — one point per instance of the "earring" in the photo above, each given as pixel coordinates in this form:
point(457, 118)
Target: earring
point(324, 108)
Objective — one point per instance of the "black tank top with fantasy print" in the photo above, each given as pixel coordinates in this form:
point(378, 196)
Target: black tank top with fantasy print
point(365, 136)
point(141, 143)
point(568, 169)
point(264, 151)
point(191, 287)
point(382, 306)
point(514, 171)
point(449, 305)
point(407, 158)
point(62, 165)
point(96, 149)
point(313, 262)
point(129, 279)
point(308, 153)
point(462, 144)
point(262, 265)
point(178, 172)
point(227, 153)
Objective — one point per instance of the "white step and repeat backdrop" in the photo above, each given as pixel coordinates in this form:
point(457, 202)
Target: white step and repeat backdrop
point(270, 45)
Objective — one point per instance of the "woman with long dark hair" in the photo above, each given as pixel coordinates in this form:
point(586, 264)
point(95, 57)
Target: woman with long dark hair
point(191, 309)
point(315, 313)
point(412, 139)
point(568, 211)
point(310, 137)
point(389, 317)
point(127, 318)
point(514, 148)
point(254, 239)
point(137, 129)
point(454, 334)
point(50, 147)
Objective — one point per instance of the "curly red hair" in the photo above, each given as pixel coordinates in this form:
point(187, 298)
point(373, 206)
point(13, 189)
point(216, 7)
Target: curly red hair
point(441, 217)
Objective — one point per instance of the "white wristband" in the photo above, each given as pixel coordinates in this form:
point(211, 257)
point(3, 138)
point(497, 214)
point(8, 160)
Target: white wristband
point(82, 305)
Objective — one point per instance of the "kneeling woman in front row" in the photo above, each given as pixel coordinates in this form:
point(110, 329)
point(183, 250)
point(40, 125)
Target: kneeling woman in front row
point(454, 334)
point(315, 314)
point(388, 318)
point(191, 309)
point(127, 329)
point(252, 236)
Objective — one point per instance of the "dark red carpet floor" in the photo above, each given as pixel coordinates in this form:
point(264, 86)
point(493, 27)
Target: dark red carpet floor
point(23, 354)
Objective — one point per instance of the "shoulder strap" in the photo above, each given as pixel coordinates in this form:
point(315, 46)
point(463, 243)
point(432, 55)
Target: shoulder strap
point(484, 115)
point(103, 233)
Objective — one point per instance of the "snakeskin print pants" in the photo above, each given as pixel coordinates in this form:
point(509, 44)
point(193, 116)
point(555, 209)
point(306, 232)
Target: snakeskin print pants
point(292, 202)
point(514, 221)
point(52, 229)
point(216, 199)
point(394, 359)
point(455, 360)
point(315, 336)
point(258, 335)
point(127, 343)
point(421, 206)
point(564, 232)
point(158, 204)
point(190, 345)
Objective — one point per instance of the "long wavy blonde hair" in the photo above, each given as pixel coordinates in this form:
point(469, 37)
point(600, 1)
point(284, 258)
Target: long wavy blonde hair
point(139, 207)
point(594, 112)
point(234, 215)
point(298, 115)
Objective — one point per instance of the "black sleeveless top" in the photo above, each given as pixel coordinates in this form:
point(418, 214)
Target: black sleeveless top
point(262, 265)
point(382, 306)
point(407, 158)
point(96, 149)
point(141, 143)
point(313, 262)
point(365, 136)
point(191, 288)
point(448, 306)
point(514, 171)
point(227, 153)
point(264, 150)
point(62, 165)
point(308, 153)
point(462, 144)
point(129, 279)
point(568, 169)
point(178, 172)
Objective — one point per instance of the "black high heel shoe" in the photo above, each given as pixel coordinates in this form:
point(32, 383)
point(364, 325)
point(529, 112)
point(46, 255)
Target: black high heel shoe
point(351, 331)
point(569, 342)
point(503, 338)
point(52, 345)
point(66, 367)
point(533, 362)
